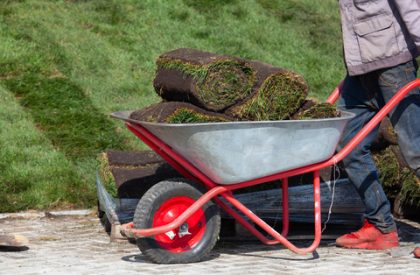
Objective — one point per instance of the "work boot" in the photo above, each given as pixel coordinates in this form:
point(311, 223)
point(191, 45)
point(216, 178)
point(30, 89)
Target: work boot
point(368, 237)
point(13, 240)
point(416, 252)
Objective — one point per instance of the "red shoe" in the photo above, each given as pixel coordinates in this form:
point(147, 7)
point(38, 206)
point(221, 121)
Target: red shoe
point(368, 237)
point(416, 252)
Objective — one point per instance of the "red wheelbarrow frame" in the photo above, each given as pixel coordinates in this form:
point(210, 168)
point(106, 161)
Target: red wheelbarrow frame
point(214, 190)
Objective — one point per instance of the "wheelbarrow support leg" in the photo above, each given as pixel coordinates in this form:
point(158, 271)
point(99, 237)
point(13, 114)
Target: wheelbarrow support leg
point(278, 238)
point(285, 202)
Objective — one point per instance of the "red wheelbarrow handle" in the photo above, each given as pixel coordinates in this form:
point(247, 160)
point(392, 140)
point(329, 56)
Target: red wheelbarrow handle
point(335, 94)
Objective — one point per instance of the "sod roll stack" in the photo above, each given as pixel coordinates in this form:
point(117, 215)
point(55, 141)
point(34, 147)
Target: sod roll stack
point(131, 174)
point(241, 89)
point(399, 182)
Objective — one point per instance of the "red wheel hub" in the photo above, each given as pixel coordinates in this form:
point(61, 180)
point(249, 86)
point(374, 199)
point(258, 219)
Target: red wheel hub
point(176, 241)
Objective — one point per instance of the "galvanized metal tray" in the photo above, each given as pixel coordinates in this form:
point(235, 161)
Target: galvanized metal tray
point(233, 152)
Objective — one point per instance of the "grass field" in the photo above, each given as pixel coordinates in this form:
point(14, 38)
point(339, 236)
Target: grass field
point(65, 65)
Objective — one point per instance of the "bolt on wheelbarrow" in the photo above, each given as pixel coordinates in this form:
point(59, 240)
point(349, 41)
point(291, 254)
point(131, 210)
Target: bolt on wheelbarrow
point(178, 220)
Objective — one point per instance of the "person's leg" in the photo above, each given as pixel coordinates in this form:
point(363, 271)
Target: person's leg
point(406, 116)
point(379, 231)
point(358, 97)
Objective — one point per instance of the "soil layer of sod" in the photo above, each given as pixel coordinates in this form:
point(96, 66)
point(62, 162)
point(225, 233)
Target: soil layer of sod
point(131, 174)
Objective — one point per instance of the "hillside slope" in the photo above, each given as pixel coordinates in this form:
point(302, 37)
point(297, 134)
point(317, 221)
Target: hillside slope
point(65, 65)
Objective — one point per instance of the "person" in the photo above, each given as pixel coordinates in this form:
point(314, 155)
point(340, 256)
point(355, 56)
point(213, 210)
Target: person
point(381, 40)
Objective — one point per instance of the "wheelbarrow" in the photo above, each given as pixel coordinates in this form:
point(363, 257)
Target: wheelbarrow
point(178, 220)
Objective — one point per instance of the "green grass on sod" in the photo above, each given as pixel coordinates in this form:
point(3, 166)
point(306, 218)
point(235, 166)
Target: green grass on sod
point(66, 64)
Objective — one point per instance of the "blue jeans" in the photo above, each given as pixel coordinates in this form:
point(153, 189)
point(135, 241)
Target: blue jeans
point(364, 95)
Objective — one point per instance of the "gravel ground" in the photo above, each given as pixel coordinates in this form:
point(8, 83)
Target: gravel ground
point(74, 242)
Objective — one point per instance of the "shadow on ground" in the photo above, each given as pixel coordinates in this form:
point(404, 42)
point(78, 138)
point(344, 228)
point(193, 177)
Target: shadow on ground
point(301, 235)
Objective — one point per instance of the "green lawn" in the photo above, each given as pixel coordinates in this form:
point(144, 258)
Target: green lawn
point(66, 64)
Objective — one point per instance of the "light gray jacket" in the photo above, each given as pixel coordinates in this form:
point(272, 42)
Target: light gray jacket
point(379, 33)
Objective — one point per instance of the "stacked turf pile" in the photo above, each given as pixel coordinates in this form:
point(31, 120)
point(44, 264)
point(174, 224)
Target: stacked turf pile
point(198, 86)
point(130, 174)
point(400, 183)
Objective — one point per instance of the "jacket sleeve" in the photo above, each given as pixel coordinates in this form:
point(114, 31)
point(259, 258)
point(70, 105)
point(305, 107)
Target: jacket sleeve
point(410, 14)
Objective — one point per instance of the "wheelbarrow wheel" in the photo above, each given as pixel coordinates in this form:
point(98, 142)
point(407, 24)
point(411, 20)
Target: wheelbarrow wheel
point(193, 240)
point(104, 220)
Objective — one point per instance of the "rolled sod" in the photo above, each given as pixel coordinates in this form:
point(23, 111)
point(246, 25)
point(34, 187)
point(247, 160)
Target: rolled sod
point(277, 94)
point(211, 81)
point(317, 111)
point(131, 174)
point(397, 179)
point(134, 182)
point(177, 112)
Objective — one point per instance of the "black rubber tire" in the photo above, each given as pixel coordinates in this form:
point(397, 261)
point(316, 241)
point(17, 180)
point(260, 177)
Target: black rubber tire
point(104, 220)
point(150, 203)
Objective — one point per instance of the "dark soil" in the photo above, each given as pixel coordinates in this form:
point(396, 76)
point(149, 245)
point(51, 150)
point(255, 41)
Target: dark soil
point(124, 158)
point(130, 174)
point(133, 183)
